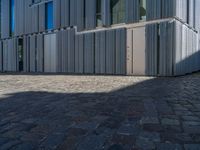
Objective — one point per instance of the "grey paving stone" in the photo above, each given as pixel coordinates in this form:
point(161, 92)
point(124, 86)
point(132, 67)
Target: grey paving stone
point(91, 142)
point(149, 120)
point(128, 130)
point(192, 146)
point(63, 111)
point(173, 122)
point(151, 136)
point(169, 146)
point(145, 144)
point(9, 145)
point(116, 147)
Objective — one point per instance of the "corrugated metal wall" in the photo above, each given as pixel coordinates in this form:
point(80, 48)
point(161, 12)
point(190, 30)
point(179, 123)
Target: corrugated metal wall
point(187, 50)
point(105, 51)
point(171, 49)
point(9, 55)
point(30, 18)
point(5, 19)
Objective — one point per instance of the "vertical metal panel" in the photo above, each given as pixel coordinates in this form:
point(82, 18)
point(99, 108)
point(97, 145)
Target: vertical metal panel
point(57, 13)
point(166, 49)
point(110, 51)
point(89, 53)
point(40, 53)
point(191, 13)
point(65, 13)
point(35, 20)
point(79, 53)
point(5, 55)
point(11, 55)
point(19, 17)
point(106, 16)
point(73, 12)
point(132, 11)
point(197, 16)
point(121, 51)
point(5, 15)
point(90, 14)
point(152, 50)
point(32, 53)
point(153, 10)
point(64, 51)
point(80, 14)
point(71, 50)
point(42, 17)
point(1, 57)
point(100, 52)
point(50, 57)
point(59, 50)
point(168, 8)
point(27, 16)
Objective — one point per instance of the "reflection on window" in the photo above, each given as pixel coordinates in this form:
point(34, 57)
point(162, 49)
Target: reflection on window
point(117, 11)
point(98, 13)
point(49, 15)
point(142, 10)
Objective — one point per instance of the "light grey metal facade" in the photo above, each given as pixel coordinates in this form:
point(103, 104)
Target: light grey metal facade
point(117, 37)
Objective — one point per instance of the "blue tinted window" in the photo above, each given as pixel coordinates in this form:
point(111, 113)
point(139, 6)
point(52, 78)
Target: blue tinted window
point(49, 15)
point(12, 16)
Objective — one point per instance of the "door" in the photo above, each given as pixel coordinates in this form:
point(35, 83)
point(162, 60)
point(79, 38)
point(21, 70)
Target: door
point(50, 53)
point(138, 41)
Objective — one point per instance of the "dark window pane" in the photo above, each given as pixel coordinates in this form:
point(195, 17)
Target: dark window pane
point(98, 13)
point(117, 11)
point(142, 10)
point(49, 15)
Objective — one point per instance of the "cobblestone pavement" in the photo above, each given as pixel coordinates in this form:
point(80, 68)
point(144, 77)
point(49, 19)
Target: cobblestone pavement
point(99, 113)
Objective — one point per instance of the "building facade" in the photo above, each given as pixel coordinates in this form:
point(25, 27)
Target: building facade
point(117, 37)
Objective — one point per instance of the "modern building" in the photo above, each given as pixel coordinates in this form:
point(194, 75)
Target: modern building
point(123, 37)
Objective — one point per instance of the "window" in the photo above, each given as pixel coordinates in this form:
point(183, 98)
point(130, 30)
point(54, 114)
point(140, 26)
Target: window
point(117, 11)
point(98, 13)
point(142, 10)
point(12, 17)
point(49, 15)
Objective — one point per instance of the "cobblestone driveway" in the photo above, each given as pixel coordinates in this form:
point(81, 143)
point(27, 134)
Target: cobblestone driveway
point(99, 113)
